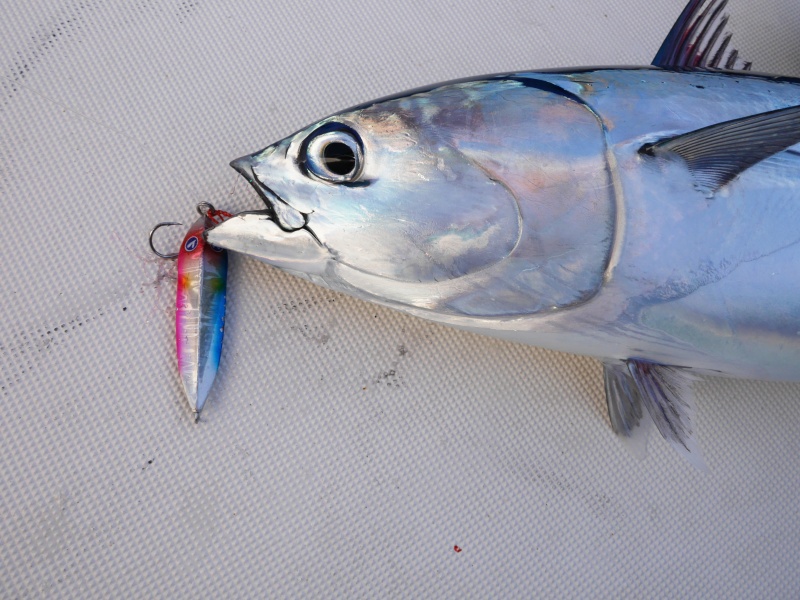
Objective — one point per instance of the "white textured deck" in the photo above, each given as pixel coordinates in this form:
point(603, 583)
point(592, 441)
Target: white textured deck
point(346, 450)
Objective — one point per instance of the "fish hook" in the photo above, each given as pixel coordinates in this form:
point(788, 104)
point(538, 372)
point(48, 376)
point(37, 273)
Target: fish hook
point(204, 209)
point(153, 248)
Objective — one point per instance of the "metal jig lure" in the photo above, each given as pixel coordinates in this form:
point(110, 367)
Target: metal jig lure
point(199, 304)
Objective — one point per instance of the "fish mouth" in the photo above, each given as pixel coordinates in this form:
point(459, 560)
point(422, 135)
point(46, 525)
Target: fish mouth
point(285, 216)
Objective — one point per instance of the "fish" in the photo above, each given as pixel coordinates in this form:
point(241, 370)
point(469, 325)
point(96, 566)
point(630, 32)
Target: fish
point(645, 216)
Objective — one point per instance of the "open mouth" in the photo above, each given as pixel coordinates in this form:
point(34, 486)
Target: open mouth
point(285, 216)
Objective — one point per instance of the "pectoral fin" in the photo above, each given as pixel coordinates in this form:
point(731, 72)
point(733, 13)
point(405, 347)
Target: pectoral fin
point(717, 154)
point(629, 418)
point(700, 39)
point(667, 394)
point(640, 393)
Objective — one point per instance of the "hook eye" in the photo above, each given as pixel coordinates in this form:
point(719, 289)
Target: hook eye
point(153, 248)
point(203, 209)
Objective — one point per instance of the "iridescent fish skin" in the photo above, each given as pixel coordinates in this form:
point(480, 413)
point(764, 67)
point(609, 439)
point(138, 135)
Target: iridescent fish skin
point(200, 310)
point(520, 207)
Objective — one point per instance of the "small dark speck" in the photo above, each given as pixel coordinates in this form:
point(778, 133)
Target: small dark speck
point(700, 87)
point(124, 308)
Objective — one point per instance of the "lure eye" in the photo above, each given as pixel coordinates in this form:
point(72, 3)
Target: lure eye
point(334, 156)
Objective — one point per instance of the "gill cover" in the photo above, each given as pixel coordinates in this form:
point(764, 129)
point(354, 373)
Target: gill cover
point(486, 198)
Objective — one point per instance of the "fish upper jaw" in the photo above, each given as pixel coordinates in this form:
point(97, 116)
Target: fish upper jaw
point(285, 216)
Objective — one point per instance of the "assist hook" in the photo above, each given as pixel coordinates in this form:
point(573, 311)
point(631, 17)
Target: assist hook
point(153, 248)
point(204, 209)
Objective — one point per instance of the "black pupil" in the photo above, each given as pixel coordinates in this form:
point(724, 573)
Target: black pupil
point(339, 158)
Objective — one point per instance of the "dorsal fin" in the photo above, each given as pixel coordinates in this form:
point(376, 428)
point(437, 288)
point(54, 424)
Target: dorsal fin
point(700, 40)
point(717, 154)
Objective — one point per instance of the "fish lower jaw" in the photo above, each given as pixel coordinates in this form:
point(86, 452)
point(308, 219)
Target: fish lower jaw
point(258, 235)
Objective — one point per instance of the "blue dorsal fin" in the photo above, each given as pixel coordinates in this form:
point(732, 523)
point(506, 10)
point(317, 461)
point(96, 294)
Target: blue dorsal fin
point(700, 40)
point(717, 154)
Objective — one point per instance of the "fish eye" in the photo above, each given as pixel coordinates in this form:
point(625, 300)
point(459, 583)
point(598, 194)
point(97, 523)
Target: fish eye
point(333, 155)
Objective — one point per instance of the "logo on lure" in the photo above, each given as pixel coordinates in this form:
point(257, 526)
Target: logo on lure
point(191, 244)
point(645, 216)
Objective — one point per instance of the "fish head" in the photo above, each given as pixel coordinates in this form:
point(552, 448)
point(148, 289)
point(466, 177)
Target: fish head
point(379, 196)
point(424, 200)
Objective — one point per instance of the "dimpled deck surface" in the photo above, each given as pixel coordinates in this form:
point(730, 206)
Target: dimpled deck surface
point(346, 450)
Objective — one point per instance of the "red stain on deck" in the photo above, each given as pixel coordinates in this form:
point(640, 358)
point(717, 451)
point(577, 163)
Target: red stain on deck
point(456, 548)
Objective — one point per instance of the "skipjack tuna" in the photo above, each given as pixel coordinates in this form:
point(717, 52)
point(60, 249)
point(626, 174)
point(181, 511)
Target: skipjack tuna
point(645, 216)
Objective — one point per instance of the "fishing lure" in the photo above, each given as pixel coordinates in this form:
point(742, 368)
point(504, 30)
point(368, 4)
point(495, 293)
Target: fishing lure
point(200, 305)
point(646, 216)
